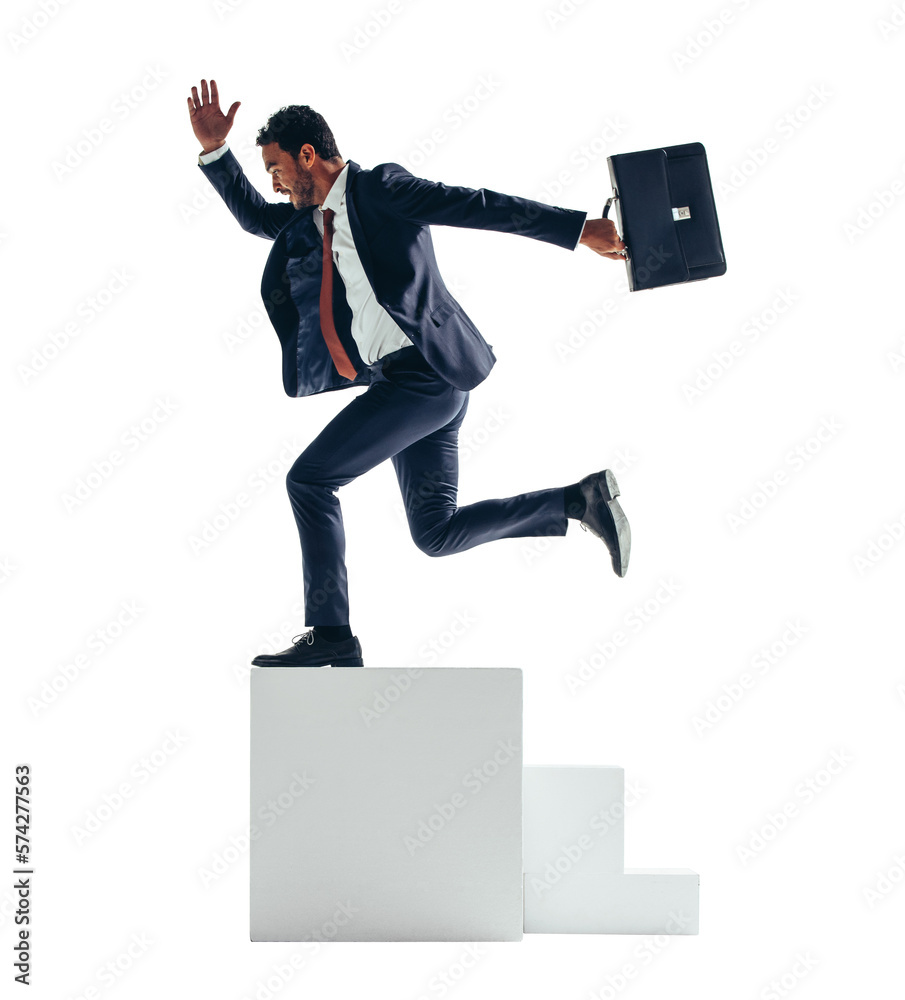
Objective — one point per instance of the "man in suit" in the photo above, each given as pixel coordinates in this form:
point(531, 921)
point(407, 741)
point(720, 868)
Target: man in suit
point(354, 293)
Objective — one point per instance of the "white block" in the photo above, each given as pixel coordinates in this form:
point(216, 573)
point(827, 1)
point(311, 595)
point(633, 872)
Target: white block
point(386, 807)
point(573, 818)
point(640, 901)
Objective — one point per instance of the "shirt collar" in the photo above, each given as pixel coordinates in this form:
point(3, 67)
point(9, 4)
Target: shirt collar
point(337, 193)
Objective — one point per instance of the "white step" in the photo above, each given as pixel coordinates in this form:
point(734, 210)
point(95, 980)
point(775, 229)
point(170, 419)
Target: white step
point(573, 818)
point(638, 901)
point(386, 805)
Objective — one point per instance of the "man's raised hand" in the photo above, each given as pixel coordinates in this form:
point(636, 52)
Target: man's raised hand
point(600, 235)
point(209, 124)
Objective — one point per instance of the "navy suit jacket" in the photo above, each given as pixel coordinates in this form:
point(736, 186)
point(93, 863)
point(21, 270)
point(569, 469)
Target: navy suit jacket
point(390, 212)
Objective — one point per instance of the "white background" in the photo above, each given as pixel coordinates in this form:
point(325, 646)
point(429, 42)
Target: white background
point(799, 108)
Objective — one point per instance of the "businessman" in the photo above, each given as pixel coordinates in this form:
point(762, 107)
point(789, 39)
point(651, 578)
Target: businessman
point(354, 293)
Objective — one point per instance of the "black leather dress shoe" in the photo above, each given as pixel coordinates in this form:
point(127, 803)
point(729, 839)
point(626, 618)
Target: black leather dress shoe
point(605, 518)
point(311, 650)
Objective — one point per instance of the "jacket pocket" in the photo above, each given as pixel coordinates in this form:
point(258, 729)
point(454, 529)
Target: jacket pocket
point(442, 313)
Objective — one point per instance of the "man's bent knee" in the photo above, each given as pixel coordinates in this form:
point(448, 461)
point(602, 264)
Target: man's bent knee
point(432, 546)
point(299, 484)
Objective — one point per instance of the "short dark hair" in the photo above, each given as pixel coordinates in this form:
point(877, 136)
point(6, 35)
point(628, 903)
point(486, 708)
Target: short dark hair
point(294, 126)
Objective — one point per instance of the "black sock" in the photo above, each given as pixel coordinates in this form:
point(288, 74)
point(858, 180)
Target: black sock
point(333, 633)
point(574, 502)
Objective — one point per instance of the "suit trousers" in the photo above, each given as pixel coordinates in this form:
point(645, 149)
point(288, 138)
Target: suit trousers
point(410, 415)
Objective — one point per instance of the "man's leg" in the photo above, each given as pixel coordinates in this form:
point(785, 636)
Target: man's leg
point(428, 474)
point(386, 419)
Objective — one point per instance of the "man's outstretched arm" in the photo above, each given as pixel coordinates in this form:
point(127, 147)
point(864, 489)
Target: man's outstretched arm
point(433, 203)
point(253, 212)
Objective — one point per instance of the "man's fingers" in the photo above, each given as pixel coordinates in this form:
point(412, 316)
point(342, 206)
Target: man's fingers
point(204, 94)
point(215, 96)
point(195, 97)
point(232, 111)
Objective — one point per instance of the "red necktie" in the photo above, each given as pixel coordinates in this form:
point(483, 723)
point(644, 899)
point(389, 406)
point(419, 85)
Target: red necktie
point(337, 351)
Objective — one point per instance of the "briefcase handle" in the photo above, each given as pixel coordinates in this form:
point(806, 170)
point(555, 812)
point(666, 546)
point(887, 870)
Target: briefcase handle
point(606, 209)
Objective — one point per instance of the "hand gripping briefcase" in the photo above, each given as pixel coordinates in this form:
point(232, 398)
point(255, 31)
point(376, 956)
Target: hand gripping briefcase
point(664, 209)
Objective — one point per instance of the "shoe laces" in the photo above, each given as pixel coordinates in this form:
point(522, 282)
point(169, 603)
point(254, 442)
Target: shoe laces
point(305, 637)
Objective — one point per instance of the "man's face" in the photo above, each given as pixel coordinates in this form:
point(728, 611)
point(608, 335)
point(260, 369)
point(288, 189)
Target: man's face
point(289, 176)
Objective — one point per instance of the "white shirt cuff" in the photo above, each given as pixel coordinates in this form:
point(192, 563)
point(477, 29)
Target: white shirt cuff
point(215, 154)
point(577, 242)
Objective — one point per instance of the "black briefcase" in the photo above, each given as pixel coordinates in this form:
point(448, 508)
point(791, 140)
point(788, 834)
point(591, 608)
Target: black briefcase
point(665, 212)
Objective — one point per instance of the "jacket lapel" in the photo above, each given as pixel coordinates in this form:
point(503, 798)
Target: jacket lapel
point(358, 236)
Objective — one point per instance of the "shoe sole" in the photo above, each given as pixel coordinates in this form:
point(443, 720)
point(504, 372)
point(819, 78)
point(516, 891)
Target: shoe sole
point(349, 662)
point(609, 490)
